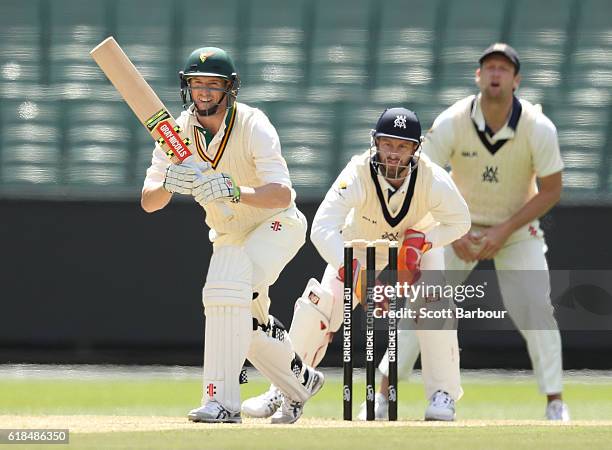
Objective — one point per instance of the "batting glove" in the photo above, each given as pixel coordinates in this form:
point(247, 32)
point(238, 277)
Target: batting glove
point(215, 186)
point(180, 178)
point(410, 254)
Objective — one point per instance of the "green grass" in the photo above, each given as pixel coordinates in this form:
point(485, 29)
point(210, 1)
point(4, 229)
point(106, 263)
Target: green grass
point(509, 438)
point(482, 399)
point(491, 398)
point(499, 438)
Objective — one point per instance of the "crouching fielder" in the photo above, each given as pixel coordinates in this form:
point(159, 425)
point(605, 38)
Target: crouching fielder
point(389, 192)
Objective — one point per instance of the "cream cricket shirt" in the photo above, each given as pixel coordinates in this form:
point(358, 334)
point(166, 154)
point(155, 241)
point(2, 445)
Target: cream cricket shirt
point(246, 147)
point(362, 205)
point(495, 173)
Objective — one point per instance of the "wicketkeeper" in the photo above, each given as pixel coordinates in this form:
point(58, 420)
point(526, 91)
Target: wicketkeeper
point(394, 192)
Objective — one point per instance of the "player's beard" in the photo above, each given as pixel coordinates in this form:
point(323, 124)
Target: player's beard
point(212, 110)
point(400, 170)
point(395, 171)
point(207, 112)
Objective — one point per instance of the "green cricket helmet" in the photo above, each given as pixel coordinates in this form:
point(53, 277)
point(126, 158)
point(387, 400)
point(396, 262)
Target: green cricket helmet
point(210, 62)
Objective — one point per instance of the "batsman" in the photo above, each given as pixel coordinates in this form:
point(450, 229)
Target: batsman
point(240, 178)
point(390, 191)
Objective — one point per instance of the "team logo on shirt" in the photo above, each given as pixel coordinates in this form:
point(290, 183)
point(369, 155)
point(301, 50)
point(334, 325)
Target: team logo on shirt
point(399, 122)
point(490, 175)
point(391, 236)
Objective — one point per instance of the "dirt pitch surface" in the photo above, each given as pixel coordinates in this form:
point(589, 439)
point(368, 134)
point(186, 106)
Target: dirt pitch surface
point(104, 424)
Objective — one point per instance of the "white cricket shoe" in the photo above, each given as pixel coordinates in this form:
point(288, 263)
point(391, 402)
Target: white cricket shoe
point(263, 405)
point(290, 410)
point(214, 412)
point(381, 408)
point(557, 410)
point(441, 407)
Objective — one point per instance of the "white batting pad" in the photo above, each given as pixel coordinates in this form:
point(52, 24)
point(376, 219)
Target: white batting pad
point(275, 359)
point(310, 326)
point(226, 297)
point(229, 278)
point(227, 340)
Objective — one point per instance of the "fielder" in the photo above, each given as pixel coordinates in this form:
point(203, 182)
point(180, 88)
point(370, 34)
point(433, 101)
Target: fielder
point(391, 192)
point(497, 145)
point(251, 245)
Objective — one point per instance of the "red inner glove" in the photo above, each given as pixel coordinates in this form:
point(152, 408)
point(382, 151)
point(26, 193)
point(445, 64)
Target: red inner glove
point(356, 277)
point(358, 285)
point(410, 254)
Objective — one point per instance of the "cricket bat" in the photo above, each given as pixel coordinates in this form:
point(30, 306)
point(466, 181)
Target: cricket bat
point(144, 102)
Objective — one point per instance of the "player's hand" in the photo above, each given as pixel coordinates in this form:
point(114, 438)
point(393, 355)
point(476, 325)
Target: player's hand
point(410, 254)
point(493, 239)
point(467, 247)
point(215, 187)
point(180, 178)
point(198, 165)
point(356, 277)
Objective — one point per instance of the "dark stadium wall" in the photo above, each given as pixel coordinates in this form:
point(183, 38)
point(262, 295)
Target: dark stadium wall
point(105, 282)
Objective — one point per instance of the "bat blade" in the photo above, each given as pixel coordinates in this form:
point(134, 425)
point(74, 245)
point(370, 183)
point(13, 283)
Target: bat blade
point(145, 103)
point(141, 98)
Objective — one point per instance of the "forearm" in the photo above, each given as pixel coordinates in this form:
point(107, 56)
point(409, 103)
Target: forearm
point(154, 199)
point(329, 243)
point(268, 196)
point(451, 212)
point(535, 208)
point(325, 233)
point(540, 204)
point(444, 234)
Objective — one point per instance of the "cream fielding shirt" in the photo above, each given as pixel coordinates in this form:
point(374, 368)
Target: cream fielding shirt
point(362, 205)
point(496, 174)
point(251, 154)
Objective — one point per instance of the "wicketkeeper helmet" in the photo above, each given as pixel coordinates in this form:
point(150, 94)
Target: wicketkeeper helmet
point(397, 123)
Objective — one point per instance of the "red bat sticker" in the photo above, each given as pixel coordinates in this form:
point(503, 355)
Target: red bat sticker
point(173, 140)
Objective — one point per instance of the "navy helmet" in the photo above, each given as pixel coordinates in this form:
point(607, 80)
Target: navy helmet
point(397, 123)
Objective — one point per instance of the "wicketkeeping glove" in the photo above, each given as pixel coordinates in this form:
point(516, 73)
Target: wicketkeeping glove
point(215, 186)
point(179, 179)
point(358, 285)
point(409, 261)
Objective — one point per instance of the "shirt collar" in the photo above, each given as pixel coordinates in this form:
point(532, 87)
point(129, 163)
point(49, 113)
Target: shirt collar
point(221, 131)
point(509, 128)
point(387, 187)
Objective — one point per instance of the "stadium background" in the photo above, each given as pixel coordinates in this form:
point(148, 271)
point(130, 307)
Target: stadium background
point(83, 276)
